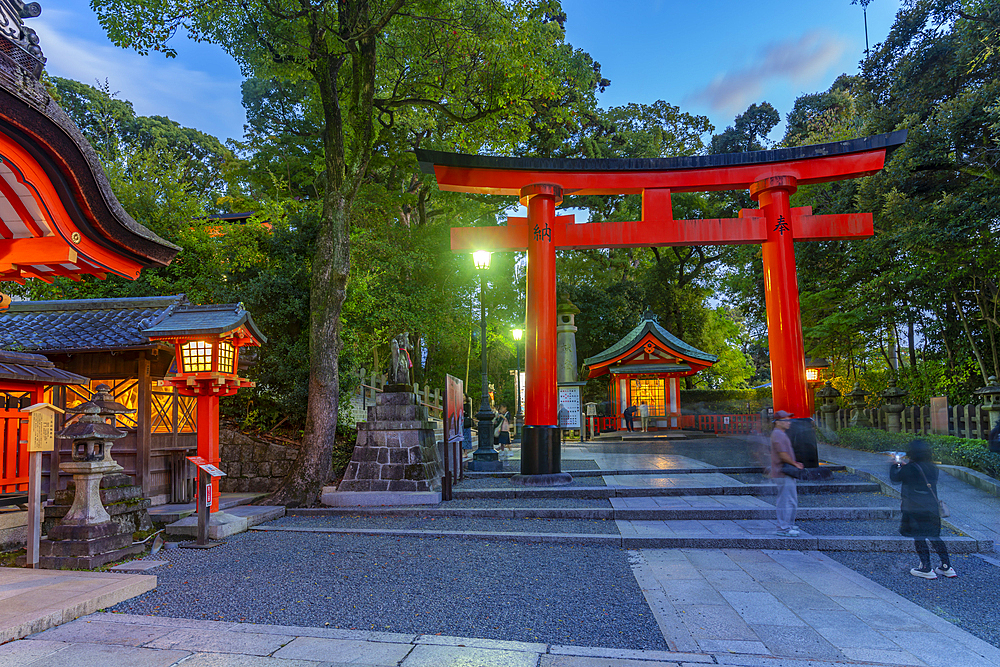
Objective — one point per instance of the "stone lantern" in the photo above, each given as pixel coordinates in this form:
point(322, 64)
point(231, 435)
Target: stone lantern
point(858, 416)
point(893, 397)
point(107, 407)
point(991, 403)
point(87, 537)
point(828, 396)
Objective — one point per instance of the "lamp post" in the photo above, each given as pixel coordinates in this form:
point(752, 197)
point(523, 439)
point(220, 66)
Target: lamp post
point(518, 416)
point(485, 458)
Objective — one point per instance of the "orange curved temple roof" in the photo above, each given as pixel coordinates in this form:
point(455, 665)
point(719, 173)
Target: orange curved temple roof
point(58, 216)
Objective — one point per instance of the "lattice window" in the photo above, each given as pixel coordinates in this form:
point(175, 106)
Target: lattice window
point(124, 390)
point(649, 390)
point(227, 357)
point(197, 356)
point(161, 412)
point(187, 414)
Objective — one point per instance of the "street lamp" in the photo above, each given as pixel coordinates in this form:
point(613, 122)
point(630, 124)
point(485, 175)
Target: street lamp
point(518, 417)
point(485, 458)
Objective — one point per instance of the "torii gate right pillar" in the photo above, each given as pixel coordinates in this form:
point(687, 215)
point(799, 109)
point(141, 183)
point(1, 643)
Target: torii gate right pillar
point(781, 293)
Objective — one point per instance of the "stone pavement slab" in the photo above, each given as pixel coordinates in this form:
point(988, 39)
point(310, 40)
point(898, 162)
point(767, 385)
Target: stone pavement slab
point(34, 600)
point(793, 604)
point(344, 650)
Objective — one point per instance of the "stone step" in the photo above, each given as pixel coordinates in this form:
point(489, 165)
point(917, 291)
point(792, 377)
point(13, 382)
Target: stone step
point(659, 472)
point(177, 511)
point(893, 544)
point(646, 491)
point(624, 514)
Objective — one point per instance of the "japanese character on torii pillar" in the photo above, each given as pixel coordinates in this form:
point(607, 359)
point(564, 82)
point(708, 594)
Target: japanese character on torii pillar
point(771, 176)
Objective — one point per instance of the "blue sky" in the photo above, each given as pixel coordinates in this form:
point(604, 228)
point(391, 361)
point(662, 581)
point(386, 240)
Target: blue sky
point(713, 57)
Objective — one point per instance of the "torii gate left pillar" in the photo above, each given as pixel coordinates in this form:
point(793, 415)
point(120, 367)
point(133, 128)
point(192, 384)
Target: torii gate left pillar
point(540, 439)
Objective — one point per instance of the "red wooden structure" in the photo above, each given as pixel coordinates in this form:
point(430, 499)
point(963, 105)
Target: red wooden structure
point(770, 176)
point(646, 367)
point(207, 340)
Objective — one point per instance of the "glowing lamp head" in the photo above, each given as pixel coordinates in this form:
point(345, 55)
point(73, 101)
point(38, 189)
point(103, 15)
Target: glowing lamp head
point(812, 374)
point(517, 333)
point(481, 259)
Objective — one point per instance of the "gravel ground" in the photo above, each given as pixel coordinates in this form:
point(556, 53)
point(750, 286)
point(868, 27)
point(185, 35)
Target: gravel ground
point(559, 594)
point(969, 600)
point(506, 483)
point(840, 500)
point(492, 525)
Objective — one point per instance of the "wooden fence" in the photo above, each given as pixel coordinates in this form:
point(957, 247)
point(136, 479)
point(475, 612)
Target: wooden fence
point(371, 384)
point(964, 421)
point(722, 423)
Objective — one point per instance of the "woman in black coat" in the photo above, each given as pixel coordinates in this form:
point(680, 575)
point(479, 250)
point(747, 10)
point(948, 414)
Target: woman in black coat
point(921, 517)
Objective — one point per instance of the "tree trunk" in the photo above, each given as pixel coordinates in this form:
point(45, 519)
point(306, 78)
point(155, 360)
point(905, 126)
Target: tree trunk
point(327, 291)
point(911, 343)
point(972, 341)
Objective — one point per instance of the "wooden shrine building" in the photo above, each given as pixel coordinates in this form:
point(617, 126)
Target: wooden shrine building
point(58, 218)
point(108, 341)
point(646, 366)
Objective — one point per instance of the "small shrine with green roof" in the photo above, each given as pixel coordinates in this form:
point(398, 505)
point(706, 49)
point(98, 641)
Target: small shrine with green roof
point(646, 366)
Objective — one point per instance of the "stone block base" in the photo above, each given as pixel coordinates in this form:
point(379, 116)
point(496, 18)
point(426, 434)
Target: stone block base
point(88, 562)
point(220, 526)
point(335, 498)
point(395, 450)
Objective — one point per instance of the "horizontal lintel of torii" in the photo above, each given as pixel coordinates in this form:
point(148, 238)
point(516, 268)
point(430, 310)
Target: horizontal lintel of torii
point(749, 228)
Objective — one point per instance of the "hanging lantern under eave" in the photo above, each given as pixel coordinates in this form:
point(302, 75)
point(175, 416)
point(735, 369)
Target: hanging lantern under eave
point(209, 365)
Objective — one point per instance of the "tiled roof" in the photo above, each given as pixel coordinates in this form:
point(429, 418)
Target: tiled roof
point(189, 320)
point(649, 325)
point(23, 367)
point(650, 368)
point(83, 324)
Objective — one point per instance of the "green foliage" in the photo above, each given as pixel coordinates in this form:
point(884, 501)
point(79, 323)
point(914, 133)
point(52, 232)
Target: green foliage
point(967, 452)
point(726, 401)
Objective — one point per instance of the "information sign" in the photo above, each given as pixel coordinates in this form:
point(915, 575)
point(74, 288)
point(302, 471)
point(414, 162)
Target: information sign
point(42, 427)
point(569, 407)
point(206, 466)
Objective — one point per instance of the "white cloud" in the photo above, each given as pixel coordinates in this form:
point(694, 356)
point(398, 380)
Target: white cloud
point(155, 86)
point(800, 61)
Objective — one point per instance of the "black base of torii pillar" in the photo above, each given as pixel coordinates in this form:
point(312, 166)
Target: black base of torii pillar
point(541, 461)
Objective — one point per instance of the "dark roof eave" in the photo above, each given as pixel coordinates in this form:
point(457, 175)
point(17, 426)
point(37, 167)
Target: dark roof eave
point(245, 320)
point(889, 141)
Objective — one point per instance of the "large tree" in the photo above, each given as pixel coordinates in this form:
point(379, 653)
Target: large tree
point(457, 62)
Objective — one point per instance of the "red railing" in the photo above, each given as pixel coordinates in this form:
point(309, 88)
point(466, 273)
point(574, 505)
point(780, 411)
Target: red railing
point(721, 423)
point(13, 451)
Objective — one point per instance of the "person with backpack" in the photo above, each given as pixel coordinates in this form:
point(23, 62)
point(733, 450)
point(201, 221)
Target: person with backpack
point(921, 509)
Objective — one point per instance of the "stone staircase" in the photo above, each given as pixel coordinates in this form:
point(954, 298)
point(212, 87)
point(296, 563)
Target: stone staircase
point(694, 507)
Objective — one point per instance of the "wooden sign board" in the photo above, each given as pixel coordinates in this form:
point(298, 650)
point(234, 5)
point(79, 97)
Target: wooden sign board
point(42, 427)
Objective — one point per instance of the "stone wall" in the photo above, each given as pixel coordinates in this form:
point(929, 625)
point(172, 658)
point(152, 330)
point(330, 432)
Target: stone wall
point(251, 464)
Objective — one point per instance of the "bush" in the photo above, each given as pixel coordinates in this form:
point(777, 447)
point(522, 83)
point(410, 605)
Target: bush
point(725, 401)
point(966, 452)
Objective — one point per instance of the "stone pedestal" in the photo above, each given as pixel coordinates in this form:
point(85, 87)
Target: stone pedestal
point(395, 450)
point(123, 501)
point(86, 537)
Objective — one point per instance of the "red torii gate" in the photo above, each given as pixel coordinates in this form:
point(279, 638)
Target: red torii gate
point(771, 177)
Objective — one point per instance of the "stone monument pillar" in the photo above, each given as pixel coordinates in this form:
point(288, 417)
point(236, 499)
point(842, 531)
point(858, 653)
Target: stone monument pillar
point(566, 367)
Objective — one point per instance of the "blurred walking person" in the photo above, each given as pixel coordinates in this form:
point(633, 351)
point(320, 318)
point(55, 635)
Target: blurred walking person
point(782, 454)
point(921, 518)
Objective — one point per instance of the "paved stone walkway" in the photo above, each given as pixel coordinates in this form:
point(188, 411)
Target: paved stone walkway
point(749, 607)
